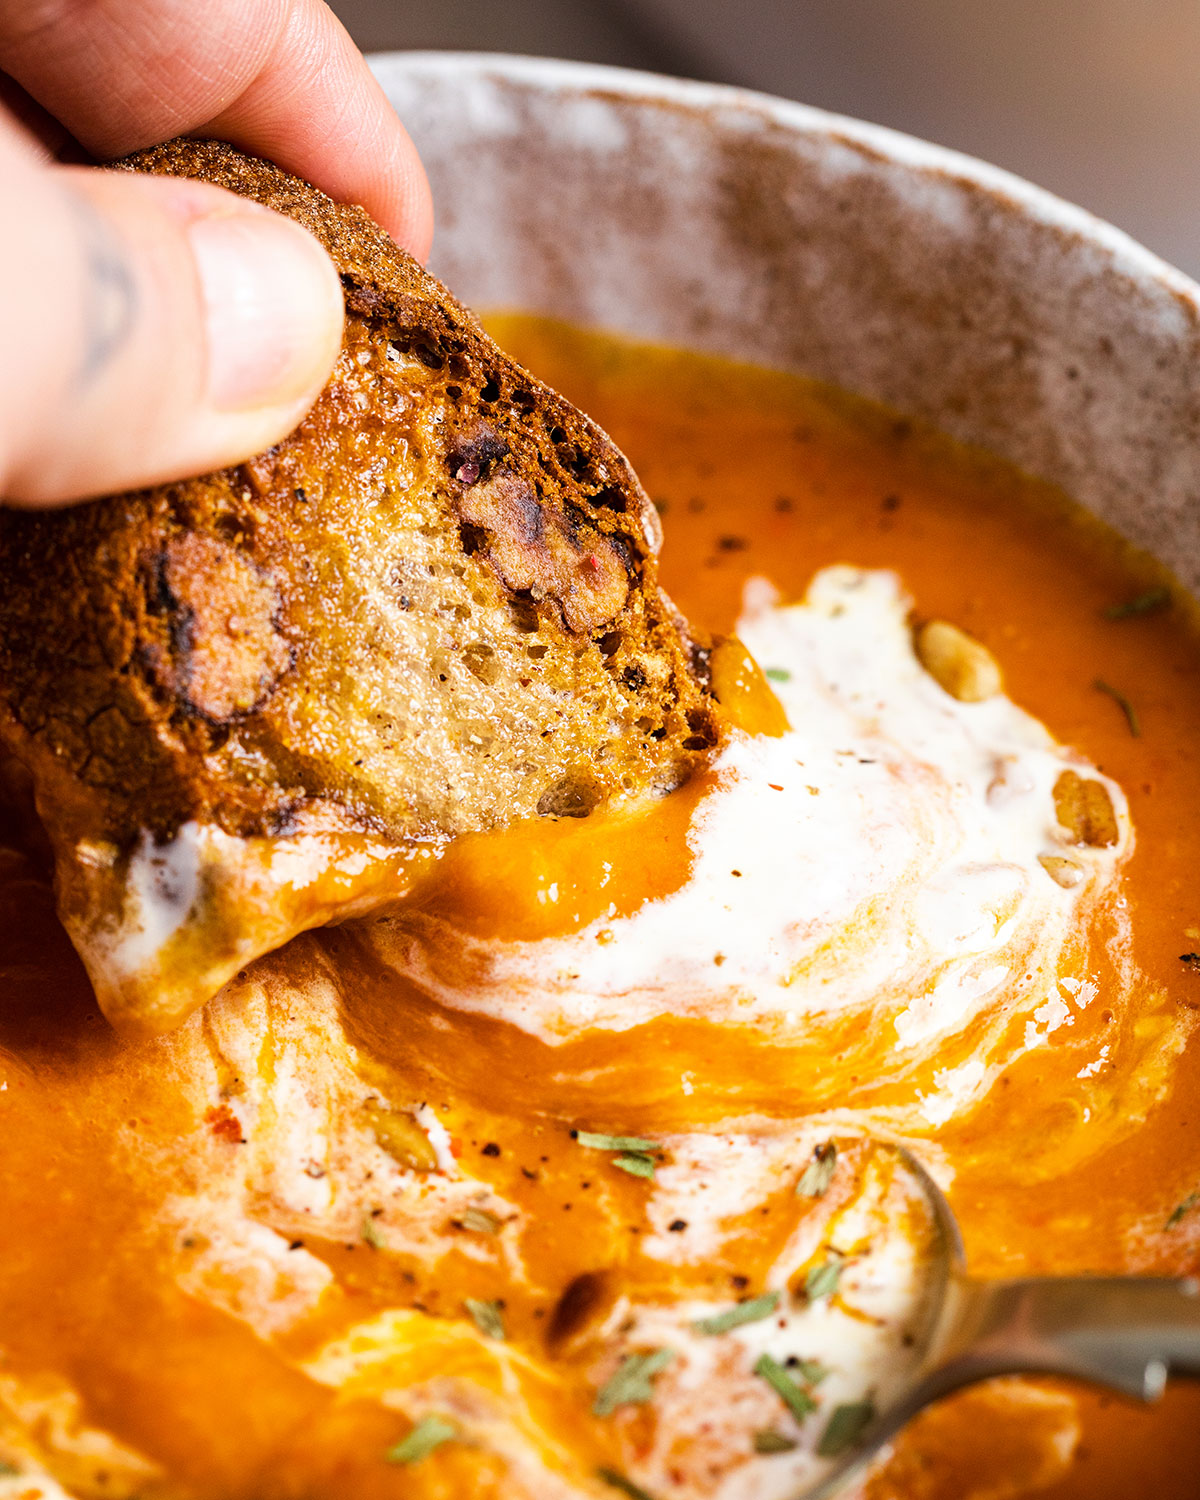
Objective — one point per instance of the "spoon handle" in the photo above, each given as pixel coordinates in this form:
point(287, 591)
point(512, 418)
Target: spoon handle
point(1127, 1332)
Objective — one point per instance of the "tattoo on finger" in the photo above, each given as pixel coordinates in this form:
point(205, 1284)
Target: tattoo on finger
point(110, 291)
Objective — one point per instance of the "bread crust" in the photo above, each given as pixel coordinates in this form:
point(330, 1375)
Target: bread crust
point(433, 608)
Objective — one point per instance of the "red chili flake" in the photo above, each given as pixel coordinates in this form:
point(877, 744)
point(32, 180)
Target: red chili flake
point(773, 787)
point(224, 1124)
point(456, 1146)
point(592, 563)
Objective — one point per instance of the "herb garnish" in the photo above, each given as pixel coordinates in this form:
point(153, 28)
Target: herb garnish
point(822, 1280)
point(599, 1142)
point(797, 1400)
point(636, 1163)
point(845, 1427)
point(772, 1442)
point(630, 1383)
point(480, 1221)
point(1142, 604)
point(751, 1311)
point(7, 1470)
point(371, 1234)
point(428, 1434)
point(777, 674)
point(816, 1177)
point(636, 1153)
point(1124, 704)
point(1181, 1210)
point(619, 1482)
point(487, 1317)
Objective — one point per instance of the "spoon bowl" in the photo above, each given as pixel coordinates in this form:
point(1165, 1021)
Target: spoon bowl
point(1127, 1333)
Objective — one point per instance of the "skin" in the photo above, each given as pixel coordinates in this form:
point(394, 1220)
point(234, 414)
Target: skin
point(155, 329)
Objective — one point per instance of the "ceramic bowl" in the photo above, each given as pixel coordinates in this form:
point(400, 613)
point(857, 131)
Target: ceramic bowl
point(735, 223)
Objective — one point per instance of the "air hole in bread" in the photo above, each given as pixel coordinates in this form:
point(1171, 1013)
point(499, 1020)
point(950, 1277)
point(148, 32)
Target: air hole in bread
point(610, 498)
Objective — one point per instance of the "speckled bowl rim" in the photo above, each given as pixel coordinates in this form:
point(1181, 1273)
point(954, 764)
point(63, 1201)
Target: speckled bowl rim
point(1100, 392)
point(896, 145)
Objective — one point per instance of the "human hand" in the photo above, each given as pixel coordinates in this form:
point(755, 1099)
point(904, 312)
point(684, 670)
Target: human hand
point(153, 328)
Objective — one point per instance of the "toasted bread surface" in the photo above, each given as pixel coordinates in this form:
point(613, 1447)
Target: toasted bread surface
point(245, 699)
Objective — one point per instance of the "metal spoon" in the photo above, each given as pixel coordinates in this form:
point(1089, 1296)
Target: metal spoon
point(1124, 1332)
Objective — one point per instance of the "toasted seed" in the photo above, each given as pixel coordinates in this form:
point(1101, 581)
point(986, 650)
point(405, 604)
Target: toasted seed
point(1062, 871)
point(1085, 810)
point(479, 1221)
point(400, 1136)
point(957, 662)
point(581, 1310)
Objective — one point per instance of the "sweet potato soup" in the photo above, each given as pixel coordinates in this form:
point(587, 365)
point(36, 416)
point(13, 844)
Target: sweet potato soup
point(570, 1177)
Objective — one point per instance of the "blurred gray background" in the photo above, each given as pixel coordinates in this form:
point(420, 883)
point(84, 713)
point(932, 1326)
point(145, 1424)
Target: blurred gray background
point(1098, 100)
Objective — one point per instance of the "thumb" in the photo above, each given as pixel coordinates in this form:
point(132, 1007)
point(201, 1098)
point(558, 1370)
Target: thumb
point(155, 328)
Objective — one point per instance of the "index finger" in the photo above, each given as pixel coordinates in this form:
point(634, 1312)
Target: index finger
point(279, 78)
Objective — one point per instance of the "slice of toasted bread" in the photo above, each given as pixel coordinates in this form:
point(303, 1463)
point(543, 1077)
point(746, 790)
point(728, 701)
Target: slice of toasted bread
point(246, 699)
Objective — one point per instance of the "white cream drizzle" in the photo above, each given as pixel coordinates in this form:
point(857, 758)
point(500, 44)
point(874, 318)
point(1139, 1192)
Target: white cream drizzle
point(881, 856)
point(867, 1336)
point(162, 887)
point(886, 856)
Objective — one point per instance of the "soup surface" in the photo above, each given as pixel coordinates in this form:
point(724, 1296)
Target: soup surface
point(555, 1182)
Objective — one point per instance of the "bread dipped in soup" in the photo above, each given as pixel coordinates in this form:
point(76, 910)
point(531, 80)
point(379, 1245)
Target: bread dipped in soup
point(254, 701)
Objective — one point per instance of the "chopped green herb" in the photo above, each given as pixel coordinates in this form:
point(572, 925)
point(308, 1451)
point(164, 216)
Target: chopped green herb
point(479, 1221)
point(370, 1233)
point(797, 1400)
point(822, 1280)
point(428, 1434)
point(845, 1427)
point(751, 1311)
point(816, 1177)
point(1181, 1210)
point(1123, 703)
point(7, 1470)
point(619, 1482)
point(630, 1383)
point(487, 1317)
point(636, 1163)
point(811, 1371)
point(616, 1142)
point(636, 1152)
point(778, 674)
point(1142, 604)
point(772, 1442)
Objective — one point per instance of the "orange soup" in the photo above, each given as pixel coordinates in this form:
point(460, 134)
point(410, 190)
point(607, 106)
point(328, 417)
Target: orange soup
point(398, 1215)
